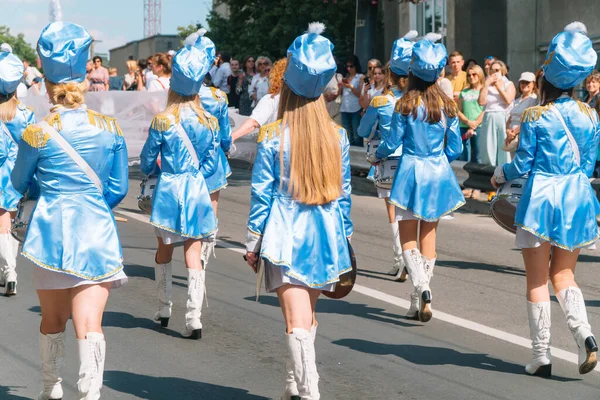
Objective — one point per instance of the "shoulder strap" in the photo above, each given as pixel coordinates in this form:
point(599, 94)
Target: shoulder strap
point(71, 152)
point(7, 132)
point(574, 145)
point(187, 142)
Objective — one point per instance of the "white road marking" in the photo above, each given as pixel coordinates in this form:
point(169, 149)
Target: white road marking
point(397, 301)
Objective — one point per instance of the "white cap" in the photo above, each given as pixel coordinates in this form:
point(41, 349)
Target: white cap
point(527, 77)
point(171, 52)
point(5, 47)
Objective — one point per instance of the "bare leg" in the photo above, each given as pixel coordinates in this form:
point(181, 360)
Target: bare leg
point(163, 277)
point(427, 237)
point(536, 267)
point(164, 254)
point(391, 210)
point(56, 310)
point(214, 198)
point(408, 234)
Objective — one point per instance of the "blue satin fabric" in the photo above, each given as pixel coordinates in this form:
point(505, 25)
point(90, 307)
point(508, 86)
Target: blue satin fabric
point(308, 242)
point(424, 182)
point(429, 59)
point(569, 60)
point(401, 56)
point(9, 196)
point(181, 201)
point(558, 203)
point(72, 229)
point(11, 72)
point(310, 65)
point(205, 44)
point(189, 66)
point(63, 49)
point(215, 102)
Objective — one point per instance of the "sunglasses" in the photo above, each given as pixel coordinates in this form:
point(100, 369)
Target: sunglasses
point(495, 70)
point(471, 75)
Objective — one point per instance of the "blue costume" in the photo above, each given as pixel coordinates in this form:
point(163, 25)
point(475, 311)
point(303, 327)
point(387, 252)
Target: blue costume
point(215, 102)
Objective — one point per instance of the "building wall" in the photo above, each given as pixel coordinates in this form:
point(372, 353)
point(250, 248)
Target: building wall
point(142, 49)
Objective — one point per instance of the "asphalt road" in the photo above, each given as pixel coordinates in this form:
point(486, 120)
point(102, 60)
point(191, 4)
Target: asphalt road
point(366, 349)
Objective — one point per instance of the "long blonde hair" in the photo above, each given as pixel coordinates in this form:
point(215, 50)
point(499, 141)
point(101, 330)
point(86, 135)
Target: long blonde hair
point(315, 154)
point(69, 95)
point(175, 102)
point(8, 107)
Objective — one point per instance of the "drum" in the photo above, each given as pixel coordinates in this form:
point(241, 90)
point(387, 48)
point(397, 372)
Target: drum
point(21, 220)
point(372, 146)
point(346, 283)
point(385, 172)
point(146, 190)
point(504, 206)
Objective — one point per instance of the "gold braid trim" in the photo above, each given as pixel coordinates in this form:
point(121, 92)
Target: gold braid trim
point(35, 136)
point(161, 122)
point(534, 113)
point(269, 130)
point(585, 108)
point(54, 121)
point(209, 121)
point(103, 122)
point(219, 95)
point(379, 101)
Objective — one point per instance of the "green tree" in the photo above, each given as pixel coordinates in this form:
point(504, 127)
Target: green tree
point(185, 31)
point(268, 27)
point(20, 47)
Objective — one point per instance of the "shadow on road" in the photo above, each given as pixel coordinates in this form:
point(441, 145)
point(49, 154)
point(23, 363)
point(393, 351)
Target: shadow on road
point(425, 355)
point(342, 307)
point(159, 388)
point(482, 266)
point(5, 393)
point(141, 271)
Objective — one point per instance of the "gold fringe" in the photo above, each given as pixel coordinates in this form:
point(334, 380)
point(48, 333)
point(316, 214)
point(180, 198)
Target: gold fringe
point(219, 95)
point(379, 101)
point(534, 113)
point(161, 123)
point(103, 122)
point(35, 136)
point(585, 108)
point(54, 121)
point(269, 130)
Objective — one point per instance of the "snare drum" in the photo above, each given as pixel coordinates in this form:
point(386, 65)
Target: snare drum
point(385, 172)
point(504, 206)
point(21, 221)
point(146, 191)
point(372, 146)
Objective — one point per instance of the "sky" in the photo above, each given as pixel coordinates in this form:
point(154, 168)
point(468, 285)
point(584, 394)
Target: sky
point(113, 22)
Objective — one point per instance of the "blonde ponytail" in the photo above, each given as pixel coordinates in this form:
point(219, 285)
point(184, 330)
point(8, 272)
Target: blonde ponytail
point(8, 108)
point(69, 95)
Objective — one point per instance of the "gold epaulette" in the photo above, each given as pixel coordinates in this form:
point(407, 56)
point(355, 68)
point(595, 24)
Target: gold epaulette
point(103, 122)
point(586, 109)
point(269, 130)
point(534, 113)
point(162, 122)
point(379, 101)
point(209, 121)
point(53, 119)
point(219, 95)
point(35, 136)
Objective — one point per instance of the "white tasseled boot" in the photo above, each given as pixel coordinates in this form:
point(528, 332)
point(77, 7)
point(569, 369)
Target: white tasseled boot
point(420, 280)
point(92, 352)
point(301, 349)
point(398, 269)
point(573, 305)
point(163, 275)
point(413, 311)
point(208, 249)
point(196, 287)
point(8, 262)
point(52, 354)
point(291, 388)
point(539, 330)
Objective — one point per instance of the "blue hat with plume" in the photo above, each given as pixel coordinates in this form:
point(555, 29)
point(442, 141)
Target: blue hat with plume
point(402, 53)
point(429, 58)
point(11, 70)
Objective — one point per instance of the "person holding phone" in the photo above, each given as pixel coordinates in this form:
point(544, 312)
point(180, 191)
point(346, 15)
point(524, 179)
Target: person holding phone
point(351, 87)
point(299, 221)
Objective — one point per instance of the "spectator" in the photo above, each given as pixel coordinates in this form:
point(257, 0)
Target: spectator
point(471, 115)
point(37, 88)
point(98, 76)
point(592, 85)
point(373, 87)
point(527, 98)
point(223, 73)
point(30, 73)
point(489, 60)
point(445, 84)
point(260, 82)
point(243, 85)
point(215, 67)
point(170, 54)
point(468, 64)
point(148, 74)
point(332, 98)
point(130, 79)
point(161, 68)
point(496, 95)
point(115, 82)
point(457, 77)
point(371, 65)
point(351, 87)
point(234, 97)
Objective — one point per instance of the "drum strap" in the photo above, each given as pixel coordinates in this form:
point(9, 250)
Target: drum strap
point(187, 142)
point(71, 152)
point(5, 129)
point(574, 146)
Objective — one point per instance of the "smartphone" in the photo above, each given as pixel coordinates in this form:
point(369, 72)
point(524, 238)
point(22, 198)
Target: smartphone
point(366, 79)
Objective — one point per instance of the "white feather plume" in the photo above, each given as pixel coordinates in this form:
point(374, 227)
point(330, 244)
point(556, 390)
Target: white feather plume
point(411, 35)
point(55, 11)
point(433, 37)
point(5, 47)
point(191, 39)
point(576, 27)
point(316, 27)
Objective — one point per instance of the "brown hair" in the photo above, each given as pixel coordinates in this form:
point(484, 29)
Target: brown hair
point(162, 59)
point(430, 96)
point(315, 154)
point(594, 76)
point(503, 69)
point(276, 76)
point(551, 93)
point(456, 54)
point(69, 95)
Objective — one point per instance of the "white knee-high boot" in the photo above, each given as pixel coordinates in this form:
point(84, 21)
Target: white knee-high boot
point(52, 354)
point(420, 280)
point(291, 388)
point(163, 275)
point(196, 288)
point(8, 262)
point(208, 249)
point(539, 330)
point(92, 352)
point(573, 305)
point(301, 349)
point(398, 269)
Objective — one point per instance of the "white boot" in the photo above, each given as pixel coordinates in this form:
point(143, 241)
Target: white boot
point(573, 305)
point(301, 349)
point(92, 352)
point(8, 262)
point(398, 267)
point(291, 388)
point(208, 248)
point(539, 330)
point(163, 275)
point(52, 354)
point(413, 311)
point(420, 280)
point(193, 326)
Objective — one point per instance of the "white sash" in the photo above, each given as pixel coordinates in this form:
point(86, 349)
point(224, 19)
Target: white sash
point(71, 152)
point(5, 129)
point(187, 142)
point(574, 146)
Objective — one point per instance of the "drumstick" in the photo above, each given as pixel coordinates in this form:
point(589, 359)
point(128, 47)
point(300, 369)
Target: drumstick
point(121, 219)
